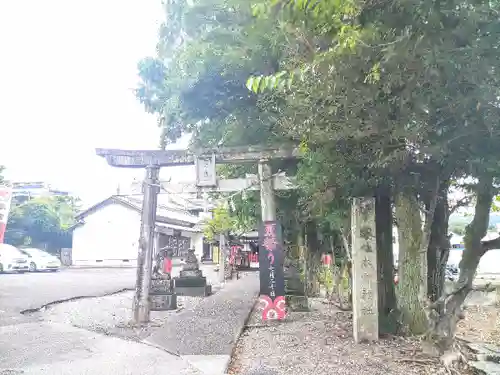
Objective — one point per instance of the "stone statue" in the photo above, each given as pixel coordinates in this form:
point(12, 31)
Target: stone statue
point(191, 281)
point(158, 268)
point(191, 268)
point(191, 261)
point(162, 296)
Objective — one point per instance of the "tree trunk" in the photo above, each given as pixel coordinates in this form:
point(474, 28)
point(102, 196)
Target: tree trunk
point(385, 264)
point(407, 214)
point(313, 260)
point(342, 273)
point(439, 246)
point(446, 312)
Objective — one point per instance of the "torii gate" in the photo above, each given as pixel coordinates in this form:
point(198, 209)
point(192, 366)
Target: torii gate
point(206, 180)
point(364, 259)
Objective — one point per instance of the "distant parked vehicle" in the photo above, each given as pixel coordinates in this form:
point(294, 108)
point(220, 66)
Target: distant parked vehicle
point(40, 260)
point(12, 259)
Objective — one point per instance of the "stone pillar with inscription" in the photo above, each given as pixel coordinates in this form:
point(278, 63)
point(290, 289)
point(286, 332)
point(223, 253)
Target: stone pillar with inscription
point(364, 270)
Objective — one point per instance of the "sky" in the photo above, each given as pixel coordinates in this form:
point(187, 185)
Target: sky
point(67, 73)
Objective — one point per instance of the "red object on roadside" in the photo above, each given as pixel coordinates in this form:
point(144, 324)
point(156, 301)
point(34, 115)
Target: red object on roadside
point(167, 265)
point(234, 252)
point(396, 279)
point(2, 232)
point(327, 259)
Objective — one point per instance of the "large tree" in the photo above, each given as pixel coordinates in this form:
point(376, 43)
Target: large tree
point(415, 85)
point(394, 98)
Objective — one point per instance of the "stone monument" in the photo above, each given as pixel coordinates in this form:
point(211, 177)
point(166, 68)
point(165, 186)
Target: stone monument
point(161, 294)
point(191, 281)
point(364, 270)
point(295, 293)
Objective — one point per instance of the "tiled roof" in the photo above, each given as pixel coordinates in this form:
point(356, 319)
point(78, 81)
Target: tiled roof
point(167, 212)
point(164, 209)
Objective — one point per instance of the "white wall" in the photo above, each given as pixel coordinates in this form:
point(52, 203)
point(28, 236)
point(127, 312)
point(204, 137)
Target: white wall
point(197, 243)
point(110, 235)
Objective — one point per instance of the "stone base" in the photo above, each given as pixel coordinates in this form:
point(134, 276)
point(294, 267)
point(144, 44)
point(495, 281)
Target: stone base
point(161, 286)
point(194, 291)
point(295, 292)
point(297, 303)
point(162, 302)
point(190, 273)
point(185, 282)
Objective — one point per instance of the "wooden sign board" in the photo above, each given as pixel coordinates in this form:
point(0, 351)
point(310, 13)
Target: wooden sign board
point(272, 278)
point(205, 171)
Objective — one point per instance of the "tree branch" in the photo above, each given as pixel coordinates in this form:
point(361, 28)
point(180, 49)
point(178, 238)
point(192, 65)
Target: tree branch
point(484, 288)
point(345, 242)
point(490, 244)
point(445, 296)
point(429, 216)
point(465, 201)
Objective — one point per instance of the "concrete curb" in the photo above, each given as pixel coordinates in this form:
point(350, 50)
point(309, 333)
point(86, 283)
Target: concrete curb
point(238, 335)
point(71, 299)
point(214, 362)
point(95, 267)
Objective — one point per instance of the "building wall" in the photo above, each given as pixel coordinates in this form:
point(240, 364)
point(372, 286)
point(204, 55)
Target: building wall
point(197, 243)
point(109, 236)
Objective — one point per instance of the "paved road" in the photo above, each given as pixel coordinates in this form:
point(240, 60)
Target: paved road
point(68, 339)
point(20, 292)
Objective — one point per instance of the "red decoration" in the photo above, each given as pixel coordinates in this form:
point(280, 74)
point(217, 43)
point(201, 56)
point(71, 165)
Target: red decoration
point(2, 232)
point(167, 265)
point(327, 259)
point(273, 310)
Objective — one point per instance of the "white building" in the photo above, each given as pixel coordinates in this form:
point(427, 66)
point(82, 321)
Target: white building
point(108, 232)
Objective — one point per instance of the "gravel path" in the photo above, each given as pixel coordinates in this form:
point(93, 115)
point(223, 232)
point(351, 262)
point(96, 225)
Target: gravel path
point(213, 327)
point(111, 315)
point(321, 343)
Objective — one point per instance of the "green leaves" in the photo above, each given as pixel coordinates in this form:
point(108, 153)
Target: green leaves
point(376, 93)
point(221, 222)
point(279, 81)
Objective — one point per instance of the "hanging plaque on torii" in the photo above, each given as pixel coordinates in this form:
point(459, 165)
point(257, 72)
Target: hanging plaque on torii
point(205, 171)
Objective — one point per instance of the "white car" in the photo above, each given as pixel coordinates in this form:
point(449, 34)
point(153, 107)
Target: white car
point(40, 260)
point(12, 259)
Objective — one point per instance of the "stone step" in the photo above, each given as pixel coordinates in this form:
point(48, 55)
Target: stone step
point(187, 282)
point(194, 291)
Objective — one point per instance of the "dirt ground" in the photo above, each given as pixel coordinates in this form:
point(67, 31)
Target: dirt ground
point(321, 343)
point(481, 324)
